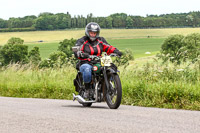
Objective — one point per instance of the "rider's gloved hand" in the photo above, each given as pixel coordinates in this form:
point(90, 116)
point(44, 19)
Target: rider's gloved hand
point(118, 53)
point(84, 55)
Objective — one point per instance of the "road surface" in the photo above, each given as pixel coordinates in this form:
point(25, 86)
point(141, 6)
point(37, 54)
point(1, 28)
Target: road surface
point(27, 115)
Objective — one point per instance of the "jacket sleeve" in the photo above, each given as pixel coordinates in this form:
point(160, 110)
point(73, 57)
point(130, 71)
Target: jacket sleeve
point(80, 44)
point(107, 47)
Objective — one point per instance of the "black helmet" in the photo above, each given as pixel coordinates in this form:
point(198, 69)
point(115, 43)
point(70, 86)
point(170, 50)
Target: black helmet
point(94, 27)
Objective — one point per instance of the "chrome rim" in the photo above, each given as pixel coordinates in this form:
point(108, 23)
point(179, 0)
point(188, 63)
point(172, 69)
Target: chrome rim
point(112, 92)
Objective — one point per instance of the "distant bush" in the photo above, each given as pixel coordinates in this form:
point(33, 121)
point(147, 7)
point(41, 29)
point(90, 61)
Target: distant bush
point(172, 49)
point(34, 56)
point(125, 58)
point(56, 59)
point(66, 46)
point(192, 44)
point(177, 48)
point(44, 64)
point(15, 40)
point(14, 51)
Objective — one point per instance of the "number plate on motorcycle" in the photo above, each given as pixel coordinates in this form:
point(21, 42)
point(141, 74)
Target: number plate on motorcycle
point(106, 61)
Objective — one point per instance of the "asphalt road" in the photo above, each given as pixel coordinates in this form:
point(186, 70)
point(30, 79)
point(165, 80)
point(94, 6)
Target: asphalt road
point(27, 115)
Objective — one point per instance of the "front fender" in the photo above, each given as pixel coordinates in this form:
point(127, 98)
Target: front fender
point(110, 70)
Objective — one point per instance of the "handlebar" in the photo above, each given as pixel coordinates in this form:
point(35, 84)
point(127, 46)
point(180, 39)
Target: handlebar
point(94, 56)
point(113, 54)
point(98, 57)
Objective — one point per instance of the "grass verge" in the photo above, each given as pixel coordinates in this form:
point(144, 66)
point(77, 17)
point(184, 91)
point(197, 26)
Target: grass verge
point(148, 84)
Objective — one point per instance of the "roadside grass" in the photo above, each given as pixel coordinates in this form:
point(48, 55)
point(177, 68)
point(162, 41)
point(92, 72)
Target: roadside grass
point(25, 81)
point(153, 84)
point(149, 84)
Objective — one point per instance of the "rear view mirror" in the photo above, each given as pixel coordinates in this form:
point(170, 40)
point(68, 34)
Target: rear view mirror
point(75, 49)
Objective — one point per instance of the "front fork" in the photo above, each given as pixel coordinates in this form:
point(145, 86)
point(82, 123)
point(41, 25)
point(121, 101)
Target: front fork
point(105, 78)
point(108, 85)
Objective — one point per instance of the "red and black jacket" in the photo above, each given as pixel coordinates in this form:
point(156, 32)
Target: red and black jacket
point(93, 47)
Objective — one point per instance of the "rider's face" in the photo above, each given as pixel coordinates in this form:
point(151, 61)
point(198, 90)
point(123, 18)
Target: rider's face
point(92, 34)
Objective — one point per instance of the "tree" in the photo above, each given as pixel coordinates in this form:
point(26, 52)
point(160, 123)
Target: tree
point(129, 22)
point(62, 21)
point(14, 51)
point(50, 21)
point(41, 23)
point(34, 55)
point(172, 49)
point(125, 58)
point(56, 59)
point(89, 18)
point(66, 46)
point(15, 40)
point(109, 22)
point(138, 21)
point(178, 48)
point(46, 22)
point(192, 45)
point(119, 20)
point(3, 23)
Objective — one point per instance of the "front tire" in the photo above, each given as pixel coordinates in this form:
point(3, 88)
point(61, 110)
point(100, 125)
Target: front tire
point(114, 93)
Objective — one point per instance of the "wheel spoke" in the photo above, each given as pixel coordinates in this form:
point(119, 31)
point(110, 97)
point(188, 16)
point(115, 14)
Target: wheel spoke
point(112, 91)
point(113, 97)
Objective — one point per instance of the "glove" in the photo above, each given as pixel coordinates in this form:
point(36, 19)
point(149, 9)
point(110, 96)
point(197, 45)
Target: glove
point(118, 53)
point(84, 55)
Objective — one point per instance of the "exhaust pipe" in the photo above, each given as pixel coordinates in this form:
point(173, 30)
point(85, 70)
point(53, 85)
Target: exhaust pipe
point(81, 100)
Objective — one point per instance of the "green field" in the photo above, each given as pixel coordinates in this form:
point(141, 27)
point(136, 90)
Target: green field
point(138, 46)
point(45, 48)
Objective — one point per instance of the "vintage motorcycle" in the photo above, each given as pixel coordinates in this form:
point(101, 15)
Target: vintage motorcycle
point(105, 84)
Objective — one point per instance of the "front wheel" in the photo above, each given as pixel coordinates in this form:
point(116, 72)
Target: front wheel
point(114, 93)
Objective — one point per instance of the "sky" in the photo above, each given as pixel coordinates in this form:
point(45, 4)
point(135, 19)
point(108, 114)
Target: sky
point(21, 8)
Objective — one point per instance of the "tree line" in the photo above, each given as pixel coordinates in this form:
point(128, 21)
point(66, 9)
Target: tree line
point(50, 21)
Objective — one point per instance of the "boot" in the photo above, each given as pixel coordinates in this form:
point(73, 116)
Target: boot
point(87, 90)
point(76, 85)
point(87, 86)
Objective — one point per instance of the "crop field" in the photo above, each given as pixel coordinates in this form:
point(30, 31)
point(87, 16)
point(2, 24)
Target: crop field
point(109, 34)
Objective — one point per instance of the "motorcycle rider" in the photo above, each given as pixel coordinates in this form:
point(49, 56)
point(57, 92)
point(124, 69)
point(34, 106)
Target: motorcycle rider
point(91, 44)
